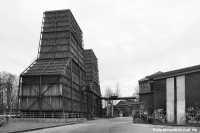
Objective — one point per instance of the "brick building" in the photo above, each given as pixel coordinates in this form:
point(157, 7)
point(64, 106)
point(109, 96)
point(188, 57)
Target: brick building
point(172, 96)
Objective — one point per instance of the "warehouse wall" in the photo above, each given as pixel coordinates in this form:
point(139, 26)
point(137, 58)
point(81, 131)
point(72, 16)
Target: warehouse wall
point(192, 83)
point(51, 89)
point(175, 99)
point(192, 94)
point(146, 102)
point(159, 87)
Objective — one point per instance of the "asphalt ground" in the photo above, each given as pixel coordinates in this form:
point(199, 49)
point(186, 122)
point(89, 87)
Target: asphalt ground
point(116, 125)
point(113, 125)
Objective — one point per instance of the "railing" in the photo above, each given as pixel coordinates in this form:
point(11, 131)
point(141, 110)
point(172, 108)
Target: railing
point(44, 115)
point(140, 113)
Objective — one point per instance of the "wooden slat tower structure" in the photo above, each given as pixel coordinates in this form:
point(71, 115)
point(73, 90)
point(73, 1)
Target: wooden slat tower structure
point(92, 72)
point(53, 82)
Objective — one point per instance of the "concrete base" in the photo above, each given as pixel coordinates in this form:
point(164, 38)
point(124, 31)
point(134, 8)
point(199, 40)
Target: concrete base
point(138, 120)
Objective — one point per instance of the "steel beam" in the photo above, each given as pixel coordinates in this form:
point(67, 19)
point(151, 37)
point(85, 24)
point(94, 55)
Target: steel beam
point(116, 98)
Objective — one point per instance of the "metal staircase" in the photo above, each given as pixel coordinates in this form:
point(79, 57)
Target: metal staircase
point(140, 114)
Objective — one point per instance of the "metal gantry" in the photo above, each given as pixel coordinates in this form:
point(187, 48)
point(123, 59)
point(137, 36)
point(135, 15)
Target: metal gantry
point(111, 99)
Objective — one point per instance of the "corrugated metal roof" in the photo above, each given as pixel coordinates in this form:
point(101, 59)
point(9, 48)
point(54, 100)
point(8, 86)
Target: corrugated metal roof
point(47, 67)
point(176, 72)
point(126, 103)
point(146, 78)
point(159, 72)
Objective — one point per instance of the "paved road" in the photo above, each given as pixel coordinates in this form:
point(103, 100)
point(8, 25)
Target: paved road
point(115, 125)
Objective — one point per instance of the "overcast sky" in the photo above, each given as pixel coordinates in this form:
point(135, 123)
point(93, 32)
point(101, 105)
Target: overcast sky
point(131, 38)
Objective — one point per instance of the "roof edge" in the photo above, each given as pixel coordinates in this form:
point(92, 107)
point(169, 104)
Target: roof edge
point(177, 72)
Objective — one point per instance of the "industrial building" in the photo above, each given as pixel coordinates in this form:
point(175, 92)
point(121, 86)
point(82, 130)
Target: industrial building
point(125, 107)
point(57, 82)
point(92, 74)
point(172, 97)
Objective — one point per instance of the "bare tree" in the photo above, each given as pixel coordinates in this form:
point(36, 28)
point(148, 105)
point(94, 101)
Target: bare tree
point(136, 90)
point(117, 90)
point(108, 92)
point(9, 88)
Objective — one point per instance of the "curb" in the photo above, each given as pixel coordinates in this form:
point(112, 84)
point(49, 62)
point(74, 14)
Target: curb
point(145, 125)
point(164, 125)
point(33, 129)
point(183, 125)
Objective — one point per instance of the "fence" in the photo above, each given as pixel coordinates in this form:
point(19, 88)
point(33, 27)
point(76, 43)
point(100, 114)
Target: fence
point(44, 115)
point(140, 113)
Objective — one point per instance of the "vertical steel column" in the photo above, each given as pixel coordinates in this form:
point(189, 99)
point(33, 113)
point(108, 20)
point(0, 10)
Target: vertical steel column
point(80, 94)
point(87, 102)
point(101, 108)
point(40, 97)
point(97, 107)
point(40, 36)
point(91, 110)
point(63, 102)
point(54, 37)
point(70, 47)
point(152, 89)
point(71, 85)
point(175, 100)
point(18, 93)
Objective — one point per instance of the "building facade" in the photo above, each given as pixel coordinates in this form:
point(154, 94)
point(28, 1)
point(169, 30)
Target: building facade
point(92, 75)
point(174, 95)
